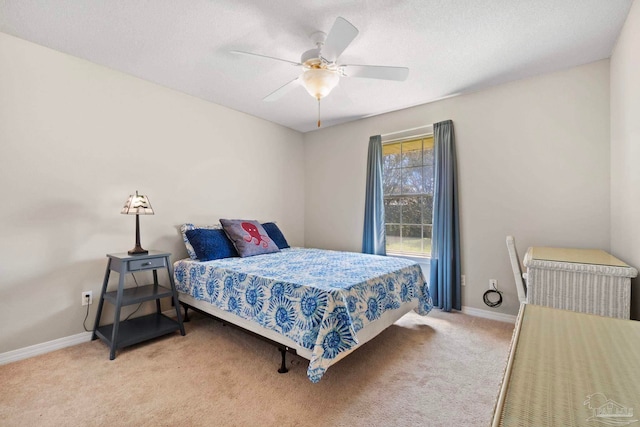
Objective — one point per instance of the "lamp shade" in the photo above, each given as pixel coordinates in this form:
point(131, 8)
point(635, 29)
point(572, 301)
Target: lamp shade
point(137, 204)
point(319, 82)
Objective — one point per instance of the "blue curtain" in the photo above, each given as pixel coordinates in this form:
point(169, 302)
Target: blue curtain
point(445, 239)
point(373, 238)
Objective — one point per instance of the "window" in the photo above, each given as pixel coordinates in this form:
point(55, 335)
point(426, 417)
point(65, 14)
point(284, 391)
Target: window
point(407, 169)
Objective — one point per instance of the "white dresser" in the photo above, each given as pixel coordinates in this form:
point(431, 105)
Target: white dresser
point(584, 280)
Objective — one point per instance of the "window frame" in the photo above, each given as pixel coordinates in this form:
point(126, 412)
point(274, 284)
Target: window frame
point(416, 256)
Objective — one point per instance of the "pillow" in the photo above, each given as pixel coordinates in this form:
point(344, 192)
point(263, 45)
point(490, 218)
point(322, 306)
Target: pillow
point(211, 244)
point(276, 235)
point(188, 226)
point(248, 237)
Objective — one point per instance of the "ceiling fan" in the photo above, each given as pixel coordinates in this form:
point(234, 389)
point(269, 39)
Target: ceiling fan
point(321, 71)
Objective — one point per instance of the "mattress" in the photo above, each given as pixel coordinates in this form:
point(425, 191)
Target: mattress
point(318, 299)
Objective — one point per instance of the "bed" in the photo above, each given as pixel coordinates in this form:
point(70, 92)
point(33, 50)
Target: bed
point(319, 304)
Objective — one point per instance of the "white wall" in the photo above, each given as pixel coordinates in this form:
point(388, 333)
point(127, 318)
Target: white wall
point(625, 148)
point(76, 139)
point(533, 160)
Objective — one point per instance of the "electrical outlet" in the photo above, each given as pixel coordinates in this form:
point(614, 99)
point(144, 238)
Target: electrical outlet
point(493, 284)
point(87, 298)
point(463, 280)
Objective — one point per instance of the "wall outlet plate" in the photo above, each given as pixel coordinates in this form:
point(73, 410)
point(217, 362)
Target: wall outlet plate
point(85, 300)
point(493, 284)
point(463, 280)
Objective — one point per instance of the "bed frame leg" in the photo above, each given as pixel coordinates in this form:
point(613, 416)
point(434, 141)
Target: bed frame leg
point(186, 316)
point(283, 368)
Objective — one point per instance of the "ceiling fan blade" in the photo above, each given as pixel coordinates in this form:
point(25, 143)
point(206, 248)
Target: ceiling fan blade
point(376, 72)
point(239, 52)
point(340, 36)
point(282, 90)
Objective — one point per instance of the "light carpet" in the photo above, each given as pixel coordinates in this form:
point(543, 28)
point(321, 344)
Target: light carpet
point(443, 369)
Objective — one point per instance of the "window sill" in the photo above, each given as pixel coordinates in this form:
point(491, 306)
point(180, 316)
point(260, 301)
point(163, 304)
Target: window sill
point(416, 258)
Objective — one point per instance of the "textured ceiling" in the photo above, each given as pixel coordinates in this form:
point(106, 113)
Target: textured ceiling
point(450, 46)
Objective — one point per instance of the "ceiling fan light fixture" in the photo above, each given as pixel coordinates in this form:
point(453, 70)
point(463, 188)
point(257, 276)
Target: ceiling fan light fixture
point(319, 82)
point(321, 69)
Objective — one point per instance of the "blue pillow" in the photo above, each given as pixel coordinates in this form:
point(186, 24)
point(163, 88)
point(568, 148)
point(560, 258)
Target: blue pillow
point(188, 226)
point(276, 235)
point(210, 244)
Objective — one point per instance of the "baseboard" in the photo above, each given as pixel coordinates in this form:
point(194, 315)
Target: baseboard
point(502, 317)
point(45, 347)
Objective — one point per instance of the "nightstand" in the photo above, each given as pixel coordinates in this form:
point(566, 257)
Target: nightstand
point(121, 334)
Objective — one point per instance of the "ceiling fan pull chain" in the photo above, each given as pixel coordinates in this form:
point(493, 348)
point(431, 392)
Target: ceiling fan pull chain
point(319, 112)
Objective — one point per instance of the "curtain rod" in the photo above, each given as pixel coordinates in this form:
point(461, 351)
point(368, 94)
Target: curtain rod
point(408, 137)
point(405, 130)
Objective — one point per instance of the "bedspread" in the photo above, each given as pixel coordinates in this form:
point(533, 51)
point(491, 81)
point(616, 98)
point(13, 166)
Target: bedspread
point(318, 298)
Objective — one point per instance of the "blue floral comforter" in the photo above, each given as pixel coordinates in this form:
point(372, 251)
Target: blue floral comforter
point(318, 298)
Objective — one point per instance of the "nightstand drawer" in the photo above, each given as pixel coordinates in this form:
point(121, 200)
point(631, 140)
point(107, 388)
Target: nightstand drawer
point(146, 264)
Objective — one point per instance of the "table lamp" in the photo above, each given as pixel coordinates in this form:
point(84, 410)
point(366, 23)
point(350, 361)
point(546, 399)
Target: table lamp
point(137, 205)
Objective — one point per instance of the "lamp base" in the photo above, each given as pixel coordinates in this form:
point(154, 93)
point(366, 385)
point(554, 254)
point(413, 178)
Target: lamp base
point(138, 251)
